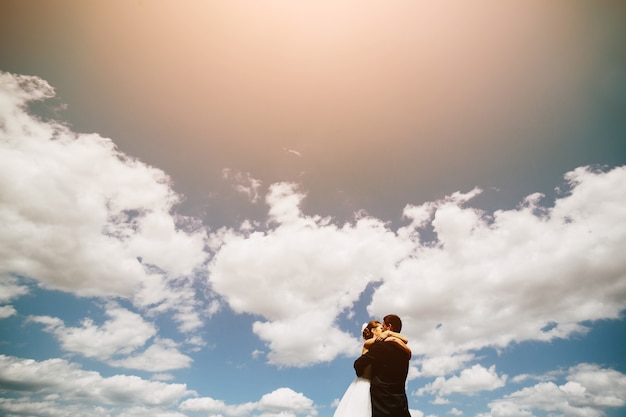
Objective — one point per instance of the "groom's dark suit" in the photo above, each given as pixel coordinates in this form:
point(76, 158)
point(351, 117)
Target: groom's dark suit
point(390, 365)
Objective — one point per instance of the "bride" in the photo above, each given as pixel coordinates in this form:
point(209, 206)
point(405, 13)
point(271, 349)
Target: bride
point(356, 400)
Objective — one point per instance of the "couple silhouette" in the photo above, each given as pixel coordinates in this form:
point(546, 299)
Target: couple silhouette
point(382, 368)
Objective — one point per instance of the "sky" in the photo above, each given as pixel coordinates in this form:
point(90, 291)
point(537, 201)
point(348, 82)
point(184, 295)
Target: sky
point(202, 203)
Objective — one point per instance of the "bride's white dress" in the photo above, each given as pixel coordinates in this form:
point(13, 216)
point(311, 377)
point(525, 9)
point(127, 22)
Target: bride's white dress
point(356, 400)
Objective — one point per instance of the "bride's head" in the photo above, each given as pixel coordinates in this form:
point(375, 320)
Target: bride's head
point(372, 329)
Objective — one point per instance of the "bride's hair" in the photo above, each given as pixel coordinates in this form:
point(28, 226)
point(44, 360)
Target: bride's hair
point(367, 331)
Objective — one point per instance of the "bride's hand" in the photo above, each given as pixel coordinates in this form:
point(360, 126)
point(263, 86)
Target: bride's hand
point(382, 336)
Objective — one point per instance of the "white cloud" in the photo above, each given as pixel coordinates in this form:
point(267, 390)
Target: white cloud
point(293, 152)
point(304, 339)
point(469, 381)
point(602, 387)
point(55, 387)
point(281, 402)
point(205, 404)
point(588, 392)
point(78, 214)
point(160, 294)
point(244, 183)
point(284, 201)
point(49, 408)
point(117, 341)
point(122, 334)
point(217, 407)
point(10, 288)
point(163, 377)
point(7, 311)
point(300, 275)
point(530, 273)
point(286, 400)
point(162, 355)
point(443, 365)
point(196, 341)
point(520, 378)
point(455, 412)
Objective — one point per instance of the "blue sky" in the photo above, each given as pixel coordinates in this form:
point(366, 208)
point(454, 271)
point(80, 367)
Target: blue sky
point(203, 202)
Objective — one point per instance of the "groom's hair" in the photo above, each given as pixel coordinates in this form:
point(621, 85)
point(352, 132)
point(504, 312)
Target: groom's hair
point(395, 322)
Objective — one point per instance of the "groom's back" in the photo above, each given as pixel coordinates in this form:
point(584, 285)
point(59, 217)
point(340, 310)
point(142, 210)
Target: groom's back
point(390, 364)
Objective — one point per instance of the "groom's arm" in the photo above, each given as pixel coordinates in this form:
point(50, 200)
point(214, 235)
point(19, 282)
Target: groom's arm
point(360, 364)
point(400, 344)
point(367, 359)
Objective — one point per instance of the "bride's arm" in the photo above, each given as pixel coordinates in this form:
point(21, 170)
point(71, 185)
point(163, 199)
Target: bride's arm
point(398, 338)
point(389, 337)
point(366, 345)
point(399, 342)
point(388, 333)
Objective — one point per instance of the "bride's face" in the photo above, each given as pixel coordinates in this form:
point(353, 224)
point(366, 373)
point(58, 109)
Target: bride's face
point(377, 330)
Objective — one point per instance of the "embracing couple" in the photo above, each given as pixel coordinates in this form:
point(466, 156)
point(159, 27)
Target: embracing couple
point(379, 389)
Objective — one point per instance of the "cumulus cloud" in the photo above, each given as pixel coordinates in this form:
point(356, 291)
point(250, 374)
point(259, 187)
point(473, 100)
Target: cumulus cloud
point(80, 216)
point(442, 365)
point(162, 355)
point(53, 386)
point(285, 401)
point(160, 294)
point(10, 288)
point(7, 311)
point(282, 402)
point(589, 391)
point(530, 273)
point(469, 381)
point(300, 275)
point(117, 341)
point(122, 334)
point(534, 272)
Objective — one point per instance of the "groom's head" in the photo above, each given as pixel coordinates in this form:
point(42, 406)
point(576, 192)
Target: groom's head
point(392, 322)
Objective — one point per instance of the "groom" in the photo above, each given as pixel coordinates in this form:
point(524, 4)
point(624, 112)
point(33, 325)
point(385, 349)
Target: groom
point(390, 366)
